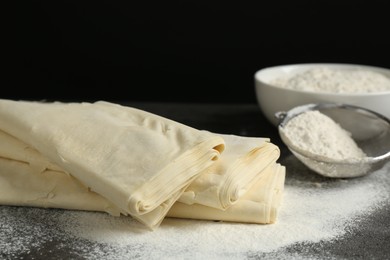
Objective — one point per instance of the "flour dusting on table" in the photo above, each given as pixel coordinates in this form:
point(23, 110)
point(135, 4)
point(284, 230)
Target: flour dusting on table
point(314, 209)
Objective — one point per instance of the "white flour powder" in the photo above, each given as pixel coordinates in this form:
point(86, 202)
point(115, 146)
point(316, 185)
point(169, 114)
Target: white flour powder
point(333, 80)
point(314, 209)
point(318, 134)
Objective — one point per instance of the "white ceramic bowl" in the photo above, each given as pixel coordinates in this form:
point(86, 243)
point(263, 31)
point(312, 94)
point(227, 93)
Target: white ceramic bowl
point(273, 99)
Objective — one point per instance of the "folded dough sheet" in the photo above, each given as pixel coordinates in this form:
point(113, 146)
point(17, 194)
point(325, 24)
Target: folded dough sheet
point(258, 205)
point(110, 158)
point(242, 164)
point(138, 161)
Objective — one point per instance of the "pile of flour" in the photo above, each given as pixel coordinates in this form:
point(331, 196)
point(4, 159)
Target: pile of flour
point(324, 79)
point(318, 134)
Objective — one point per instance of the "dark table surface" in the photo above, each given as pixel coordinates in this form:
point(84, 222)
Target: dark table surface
point(369, 240)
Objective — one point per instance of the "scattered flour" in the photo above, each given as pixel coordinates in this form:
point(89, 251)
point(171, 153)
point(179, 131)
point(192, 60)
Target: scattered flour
point(312, 211)
point(323, 79)
point(318, 134)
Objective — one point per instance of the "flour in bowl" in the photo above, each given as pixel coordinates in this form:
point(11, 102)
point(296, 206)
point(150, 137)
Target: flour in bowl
point(323, 79)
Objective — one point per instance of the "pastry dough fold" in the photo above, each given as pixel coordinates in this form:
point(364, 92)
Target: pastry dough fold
point(139, 161)
point(259, 205)
point(242, 164)
point(124, 161)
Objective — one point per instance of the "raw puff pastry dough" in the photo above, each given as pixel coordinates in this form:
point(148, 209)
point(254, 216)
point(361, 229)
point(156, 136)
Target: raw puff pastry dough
point(237, 170)
point(30, 180)
point(138, 161)
point(244, 184)
point(258, 205)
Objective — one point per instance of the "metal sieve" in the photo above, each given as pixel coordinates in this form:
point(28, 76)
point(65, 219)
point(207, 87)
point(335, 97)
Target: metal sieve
point(370, 131)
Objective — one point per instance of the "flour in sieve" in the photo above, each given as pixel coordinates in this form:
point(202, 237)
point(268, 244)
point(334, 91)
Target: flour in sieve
point(318, 134)
point(326, 79)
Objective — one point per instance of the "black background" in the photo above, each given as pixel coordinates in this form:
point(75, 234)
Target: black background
point(180, 51)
